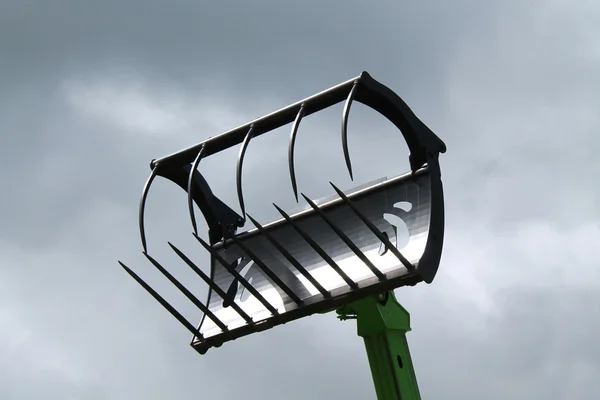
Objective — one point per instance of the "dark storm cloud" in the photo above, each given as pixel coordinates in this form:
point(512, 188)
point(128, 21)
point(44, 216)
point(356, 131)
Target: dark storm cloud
point(268, 40)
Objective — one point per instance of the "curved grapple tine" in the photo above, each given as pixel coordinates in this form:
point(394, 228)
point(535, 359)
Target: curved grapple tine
point(143, 206)
point(291, 149)
point(345, 115)
point(240, 162)
point(190, 188)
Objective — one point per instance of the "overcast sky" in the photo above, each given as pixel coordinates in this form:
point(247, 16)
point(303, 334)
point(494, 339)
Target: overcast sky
point(90, 92)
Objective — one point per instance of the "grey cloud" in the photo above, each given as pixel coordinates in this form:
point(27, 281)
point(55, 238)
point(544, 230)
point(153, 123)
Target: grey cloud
point(511, 87)
point(235, 36)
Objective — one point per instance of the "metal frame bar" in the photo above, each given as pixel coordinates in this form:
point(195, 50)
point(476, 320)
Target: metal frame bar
point(203, 345)
point(368, 91)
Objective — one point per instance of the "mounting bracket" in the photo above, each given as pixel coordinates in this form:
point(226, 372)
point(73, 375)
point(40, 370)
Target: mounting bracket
point(382, 322)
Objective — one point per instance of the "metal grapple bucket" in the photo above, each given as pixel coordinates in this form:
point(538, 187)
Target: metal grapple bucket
point(333, 252)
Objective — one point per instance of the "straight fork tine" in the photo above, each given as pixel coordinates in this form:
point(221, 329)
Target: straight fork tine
point(268, 271)
point(163, 302)
point(374, 229)
point(210, 283)
point(187, 293)
point(318, 249)
point(237, 276)
point(290, 258)
point(346, 240)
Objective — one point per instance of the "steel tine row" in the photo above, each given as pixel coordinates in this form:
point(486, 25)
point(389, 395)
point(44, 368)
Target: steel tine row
point(191, 186)
point(188, 294)
point(210, 283)
point(292, 144)
point(290, 258)
point(346, 240)
point(143, 206)
point(268, 271)
point(374, 229)
point(318, 249)
point(163, 302)
point(238, 177)
point(237, 276)
point(345, 116)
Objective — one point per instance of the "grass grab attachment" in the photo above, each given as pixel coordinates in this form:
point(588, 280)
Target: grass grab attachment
point(327, 256)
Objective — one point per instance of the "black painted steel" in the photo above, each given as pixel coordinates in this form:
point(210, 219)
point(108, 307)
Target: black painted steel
point(322, 257)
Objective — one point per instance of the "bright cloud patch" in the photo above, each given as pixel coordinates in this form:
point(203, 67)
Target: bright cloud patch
point(130, 103)
point(20, 345)
point(479, 264)
point(127, 105)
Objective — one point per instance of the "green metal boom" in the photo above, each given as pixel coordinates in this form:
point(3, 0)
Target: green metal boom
point(382, 322)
